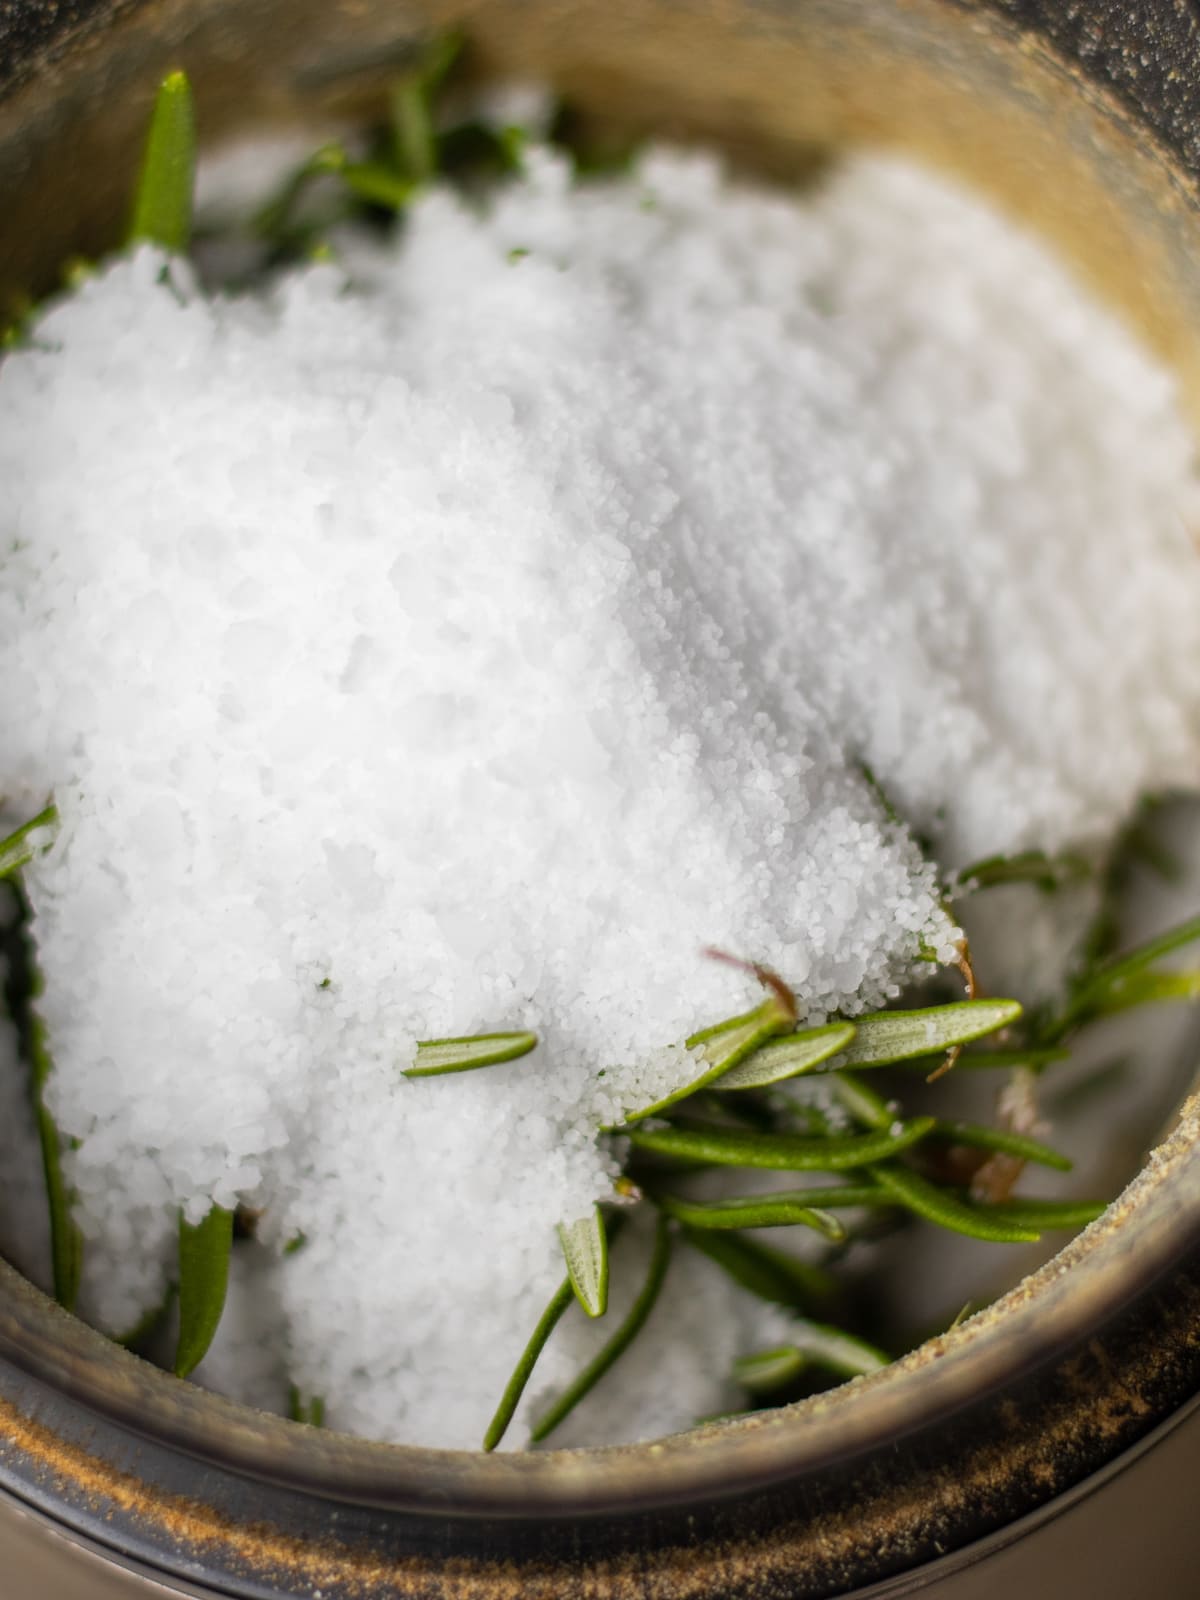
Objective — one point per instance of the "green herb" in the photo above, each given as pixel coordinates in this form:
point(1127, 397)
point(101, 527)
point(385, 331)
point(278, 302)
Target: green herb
point(147, 1326)
point(309, 1412)
point(888, 1036)
point(723, 1047)
point(204, 1250)
point(162, 211)
point(515, 1387)
point(20, 847)
point(438, 1056)
point(616, 1346)
point(770, 1275)
point(998, 1139)
point(800, 1207)
point(1118, 983)
point(585, 1250)
point(726, 1147)
point(939, 1206)
point(66, 1240)
point(414, 139)
point(1029, 1213)
point(1031, 866)
point(813, 1345)
point(787, 1058)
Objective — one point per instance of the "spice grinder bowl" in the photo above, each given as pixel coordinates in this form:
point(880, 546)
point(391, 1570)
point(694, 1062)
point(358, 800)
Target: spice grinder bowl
point(1088, 126)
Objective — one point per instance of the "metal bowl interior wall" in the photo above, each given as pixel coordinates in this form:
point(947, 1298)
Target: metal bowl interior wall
point(1086, 125)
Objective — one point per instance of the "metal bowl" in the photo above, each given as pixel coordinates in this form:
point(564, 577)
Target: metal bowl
point(958, 1470)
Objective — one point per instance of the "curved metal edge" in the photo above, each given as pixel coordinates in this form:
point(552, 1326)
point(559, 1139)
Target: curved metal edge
point(757, 1454)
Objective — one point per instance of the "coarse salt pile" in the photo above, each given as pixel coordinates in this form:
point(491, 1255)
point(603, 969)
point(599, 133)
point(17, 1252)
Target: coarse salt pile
point(466, 636)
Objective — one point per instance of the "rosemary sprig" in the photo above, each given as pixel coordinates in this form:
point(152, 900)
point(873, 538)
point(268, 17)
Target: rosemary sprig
point(886, 1037)
point(435, 1057)
point(585, 1250)
point(1125, 980)
point(813, 1345)
point(204, 1251)
point(725, 1147)
point(976, 1136)
point(414, 136)
point(807, 1208)
point(1028, 1212)
point(723, 1047)
point(622, 1338)
point(310, 1412)
point(1046, 872)
point(162, 209)
point(66, 1239)
point(790, 1057)
point(20, 847)
point(768, 1274)
point(938, 1205)
point(515, 1388)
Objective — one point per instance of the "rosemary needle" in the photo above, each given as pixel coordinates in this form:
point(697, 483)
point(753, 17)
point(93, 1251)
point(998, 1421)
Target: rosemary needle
point(620, 1341)
point(204, 1250)
point(162, 211)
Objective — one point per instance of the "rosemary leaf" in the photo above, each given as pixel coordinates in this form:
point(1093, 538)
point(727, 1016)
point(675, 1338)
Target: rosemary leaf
point(147, 1325)
point(66, 1240)
point(414, 139)
point(936, 1205)
point(787, 1057)
point(862, 1102)
point(273, 220)
point(616, 1346)
point(780, 1151)
point(204, 1249)
point(1032, 1213)
point(20, 847)
point(1111, 986)
point(1147, 988)
point(770, 1275)
point(782, 1210)
point(988, 1059)
point(767, 1370)
point(162, 212)
point(310, 1412)
point(887, 1036)
point(1030, 866)
point(523, 1371)
point(813, 1345)
point(585, 1250)
point(979, 1137)
point(377, 185)
point(721, 1048)
point(438, 1056)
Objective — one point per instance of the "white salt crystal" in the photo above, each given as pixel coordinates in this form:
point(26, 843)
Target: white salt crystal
point(453, 642)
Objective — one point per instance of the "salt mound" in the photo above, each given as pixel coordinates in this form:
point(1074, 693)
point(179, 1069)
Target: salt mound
point(465, 637)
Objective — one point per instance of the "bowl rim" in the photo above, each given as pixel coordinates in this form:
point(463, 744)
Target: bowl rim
point(1119, 1259)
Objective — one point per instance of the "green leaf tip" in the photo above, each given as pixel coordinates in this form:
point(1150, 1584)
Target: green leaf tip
point(436, 1057)
point(66, 1239)
point(20, 847)
point(204, 1251)
point(718, 1146)
point(815, 1345)
point(724, 1048)
point(162, 210)
point(523, 1371)
point(585, 1250)
point(887, 1036)
point(617, 1344)
point(788, 1057)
